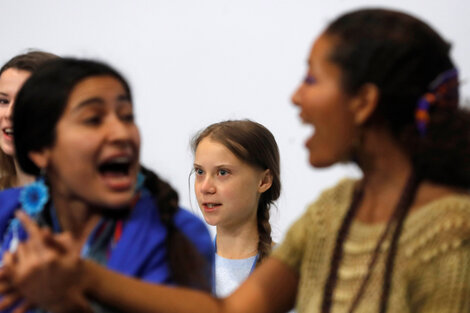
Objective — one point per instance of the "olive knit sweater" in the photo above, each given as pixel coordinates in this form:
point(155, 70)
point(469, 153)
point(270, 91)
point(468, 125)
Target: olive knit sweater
point(432, 264)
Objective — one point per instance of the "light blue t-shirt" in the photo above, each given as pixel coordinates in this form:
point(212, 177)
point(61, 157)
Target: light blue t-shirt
point(230, 273)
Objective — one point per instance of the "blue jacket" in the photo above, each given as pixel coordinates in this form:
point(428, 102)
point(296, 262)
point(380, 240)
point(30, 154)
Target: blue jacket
point(141, 250)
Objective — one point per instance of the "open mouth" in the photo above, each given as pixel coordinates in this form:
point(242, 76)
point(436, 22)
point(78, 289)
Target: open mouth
point(8, 132)
point(115, 167)
point(116, 172)
point(211, 206)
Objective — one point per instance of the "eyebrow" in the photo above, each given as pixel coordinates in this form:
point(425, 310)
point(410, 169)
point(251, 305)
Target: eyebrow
point(3, 94)
point(100, 101)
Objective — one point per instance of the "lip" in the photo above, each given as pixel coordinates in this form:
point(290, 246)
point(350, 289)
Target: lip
point(119, 181)
point(5, 135)
point(210, 207)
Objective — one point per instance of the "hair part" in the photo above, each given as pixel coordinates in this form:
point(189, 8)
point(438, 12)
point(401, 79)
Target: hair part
point(254, 144)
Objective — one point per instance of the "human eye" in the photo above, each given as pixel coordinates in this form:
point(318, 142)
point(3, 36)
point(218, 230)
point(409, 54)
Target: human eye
point(223, 172)
point(126, 113)
point(4, 101)
point(198, 171)
point(310, 79)
point(92, 120)
point(129, 117)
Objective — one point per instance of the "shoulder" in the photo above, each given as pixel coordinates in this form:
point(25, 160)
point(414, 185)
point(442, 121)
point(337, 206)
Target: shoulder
point(193, 227)
point(9, 202)
point(438, 228)
point(332, 202)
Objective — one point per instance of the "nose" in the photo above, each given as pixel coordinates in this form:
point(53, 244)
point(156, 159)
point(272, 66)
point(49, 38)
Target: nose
point(296, 96)
point(9, 112)
point(206, 185)
point(119, 131)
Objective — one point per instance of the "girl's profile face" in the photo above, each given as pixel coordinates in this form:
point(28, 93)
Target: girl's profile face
point(325, 106)
point(95, 157)
point(227, 189)
point(11, 82)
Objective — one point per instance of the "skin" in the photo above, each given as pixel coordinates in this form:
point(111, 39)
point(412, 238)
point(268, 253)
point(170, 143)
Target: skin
point(97, 126)
point(11, 81)
point(273, 285)
point(228, 192)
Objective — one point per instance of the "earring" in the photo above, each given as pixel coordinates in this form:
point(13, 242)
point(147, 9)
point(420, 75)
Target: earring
point(34, 197)
point(140, 181)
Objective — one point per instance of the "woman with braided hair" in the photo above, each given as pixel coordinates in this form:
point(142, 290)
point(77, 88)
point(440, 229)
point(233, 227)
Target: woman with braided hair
point(380, 91)
point(74, 129)
point(237, 178)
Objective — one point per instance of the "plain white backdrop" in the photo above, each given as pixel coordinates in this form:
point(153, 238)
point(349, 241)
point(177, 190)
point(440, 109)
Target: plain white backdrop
point(192, 63)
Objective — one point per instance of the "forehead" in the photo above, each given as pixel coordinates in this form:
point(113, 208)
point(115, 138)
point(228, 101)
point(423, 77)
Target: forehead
point(102, 87)
point(210, 149)
point(321, 50)
point(13, 78)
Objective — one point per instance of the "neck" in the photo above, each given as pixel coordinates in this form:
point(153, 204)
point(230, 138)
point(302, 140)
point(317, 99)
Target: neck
point(21, 177)
point(237, 243)
point(77, 218)
point(386, 170)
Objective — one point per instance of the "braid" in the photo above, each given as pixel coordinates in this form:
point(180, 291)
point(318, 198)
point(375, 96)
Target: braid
point(187, 266)
point(402, 211)
point(264, 231)
point(399, 215)
point(338, 251)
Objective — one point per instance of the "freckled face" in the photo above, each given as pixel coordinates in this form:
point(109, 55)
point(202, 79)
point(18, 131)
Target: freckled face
point(324, 105)
point(11, 82)
point(227, 189)
point(95, 158)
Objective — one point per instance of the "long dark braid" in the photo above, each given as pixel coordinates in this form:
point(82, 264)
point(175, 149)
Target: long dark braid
point(399, 215)
point(187, 265)
point(264, 231)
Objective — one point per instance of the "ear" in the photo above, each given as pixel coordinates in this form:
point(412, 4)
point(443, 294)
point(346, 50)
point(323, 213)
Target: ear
point(364, 103)
point(40, 158)
point(266, 181)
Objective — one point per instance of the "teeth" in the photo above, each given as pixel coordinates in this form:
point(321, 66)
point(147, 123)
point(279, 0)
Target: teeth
point(210, 205)
point(123, 159)
point(8, 131)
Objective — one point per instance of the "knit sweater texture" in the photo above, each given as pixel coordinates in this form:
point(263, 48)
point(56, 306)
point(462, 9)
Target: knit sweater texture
point(432, 263)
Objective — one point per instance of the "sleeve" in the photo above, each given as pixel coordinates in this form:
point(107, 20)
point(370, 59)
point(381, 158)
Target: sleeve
point(291, 250)
point(443, 284)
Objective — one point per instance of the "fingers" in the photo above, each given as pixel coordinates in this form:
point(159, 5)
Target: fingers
point(29, 225)
point(23, 307)
point(9, 300)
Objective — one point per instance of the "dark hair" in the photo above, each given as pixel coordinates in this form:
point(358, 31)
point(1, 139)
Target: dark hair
point(29, 61)
point(254, 144)
point(402, 56)
point(39, 107)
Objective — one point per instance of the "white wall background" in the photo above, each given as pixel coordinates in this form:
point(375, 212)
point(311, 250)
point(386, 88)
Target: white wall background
point(195, 62)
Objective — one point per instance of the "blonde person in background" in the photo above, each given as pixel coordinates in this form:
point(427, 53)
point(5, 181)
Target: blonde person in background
point(12, 76)
point(237, 179)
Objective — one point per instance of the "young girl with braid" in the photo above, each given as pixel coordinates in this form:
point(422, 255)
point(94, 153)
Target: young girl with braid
point(237, 178)
point(380, 91)
point(74, 129)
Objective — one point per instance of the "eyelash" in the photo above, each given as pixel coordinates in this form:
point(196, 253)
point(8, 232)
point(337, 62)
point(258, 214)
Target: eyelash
point(4, 102)
point(310, 80)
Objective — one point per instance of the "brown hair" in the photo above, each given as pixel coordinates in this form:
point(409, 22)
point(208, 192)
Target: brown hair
point(30, 62)
point(254, 144)
point(402, 56)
